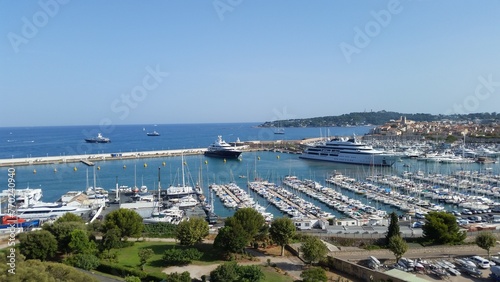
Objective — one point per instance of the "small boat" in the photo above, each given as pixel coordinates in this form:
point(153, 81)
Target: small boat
point(98, 139)
point(279, 130)
point(154, 133)
point(9, 221)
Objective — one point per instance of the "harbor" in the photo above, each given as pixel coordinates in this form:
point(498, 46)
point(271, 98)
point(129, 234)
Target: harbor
point(270, 177)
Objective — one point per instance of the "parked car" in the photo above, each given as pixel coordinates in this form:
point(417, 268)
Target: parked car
point(417, 224)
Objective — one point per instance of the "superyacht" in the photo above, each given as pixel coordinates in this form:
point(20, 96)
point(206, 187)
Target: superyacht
point(352, 151)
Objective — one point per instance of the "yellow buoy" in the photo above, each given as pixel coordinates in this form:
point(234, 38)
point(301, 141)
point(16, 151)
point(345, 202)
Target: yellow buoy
point(278, 156)
point(163, 163)
point(124, 166)
point(98, 168)
point(75, 169)
point(185, 163)
point(258, 158)
point(206, 162)
point(224, 160)
point(34, 171)
point(145, 165)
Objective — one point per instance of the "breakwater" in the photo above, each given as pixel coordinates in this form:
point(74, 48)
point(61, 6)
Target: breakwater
point(289, 146)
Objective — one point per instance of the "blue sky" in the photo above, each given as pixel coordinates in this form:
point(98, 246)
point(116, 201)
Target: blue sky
point(141, 62)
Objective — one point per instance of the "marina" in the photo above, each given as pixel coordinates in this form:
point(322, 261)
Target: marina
point(310, 191)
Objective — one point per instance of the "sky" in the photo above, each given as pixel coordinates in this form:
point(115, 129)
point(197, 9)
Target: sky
point(69, 62)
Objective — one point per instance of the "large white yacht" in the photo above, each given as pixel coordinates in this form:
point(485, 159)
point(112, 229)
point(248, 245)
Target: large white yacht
point(49, 210)
point(343, 150)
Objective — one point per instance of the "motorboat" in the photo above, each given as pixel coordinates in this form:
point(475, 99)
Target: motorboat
point(222, 149)
point(154, 133)
point(50, 210)
point(98, 139)
point(8, 221)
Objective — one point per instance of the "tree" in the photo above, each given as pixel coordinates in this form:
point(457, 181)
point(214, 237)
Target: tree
point(39, 244)
point(313, 249)
point(232, 238)
point(232, 272)
point(281, 231)
point(441, 228)
point(87, 261)
point(250, 219)
point(80, 243)
point(176, 277)
point(250, 273)
point(314, 274)
point(144, 255)
point(69, 217)
point(181, 257)
point(227, 272)
point(393, 228)
point(398, 246)
point(62, 232)
point(35, 270)
point(127, 221)
point(192, 231)
point(111, 239)
point(486, 240)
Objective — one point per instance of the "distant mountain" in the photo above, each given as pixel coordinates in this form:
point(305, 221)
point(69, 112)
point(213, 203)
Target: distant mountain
point(375, 118)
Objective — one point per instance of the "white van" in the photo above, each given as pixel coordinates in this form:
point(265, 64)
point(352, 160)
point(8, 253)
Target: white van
point(481, 262)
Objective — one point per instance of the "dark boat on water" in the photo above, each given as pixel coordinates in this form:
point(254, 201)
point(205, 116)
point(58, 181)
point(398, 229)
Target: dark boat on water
point(221, 149)
point(98, 139)
point(154, 133)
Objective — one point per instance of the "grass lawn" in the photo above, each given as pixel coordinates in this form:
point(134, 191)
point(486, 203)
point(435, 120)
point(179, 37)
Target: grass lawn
point(272, 276)
point(128, 257)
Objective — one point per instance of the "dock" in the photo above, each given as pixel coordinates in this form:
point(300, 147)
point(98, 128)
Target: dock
point(87, 162)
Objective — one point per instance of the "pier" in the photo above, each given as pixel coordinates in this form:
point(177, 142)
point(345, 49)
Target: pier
point(87, 162)
point(288, 146)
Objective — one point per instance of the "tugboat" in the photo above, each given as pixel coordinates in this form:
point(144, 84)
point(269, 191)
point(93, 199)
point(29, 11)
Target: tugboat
point(98, 139)
point(222, 149)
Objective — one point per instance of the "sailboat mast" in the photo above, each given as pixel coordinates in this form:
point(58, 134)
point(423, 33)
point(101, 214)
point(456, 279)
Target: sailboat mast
point(135, 175)
point(94, 178)
point(183, 182)
point(117, 195)
point(159, 191)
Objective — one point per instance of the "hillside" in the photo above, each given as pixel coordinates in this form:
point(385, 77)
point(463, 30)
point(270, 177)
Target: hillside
point(375, 118)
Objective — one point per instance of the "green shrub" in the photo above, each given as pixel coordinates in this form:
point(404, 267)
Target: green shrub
point(83, 261)
point(181, 257)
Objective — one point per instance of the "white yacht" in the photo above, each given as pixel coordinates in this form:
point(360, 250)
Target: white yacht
point(342, 150)
point(49, 210)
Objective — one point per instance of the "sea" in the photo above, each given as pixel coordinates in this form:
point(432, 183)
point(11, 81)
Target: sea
point(57, 179)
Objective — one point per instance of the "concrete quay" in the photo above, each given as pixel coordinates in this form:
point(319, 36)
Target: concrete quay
point(289, 146)
point(89, 159)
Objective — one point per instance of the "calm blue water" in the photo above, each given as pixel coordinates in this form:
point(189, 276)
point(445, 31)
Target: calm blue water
point(57, 179)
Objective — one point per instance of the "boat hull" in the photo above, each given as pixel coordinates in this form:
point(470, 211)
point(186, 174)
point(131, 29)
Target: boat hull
point(368, 159)
point(97, 141)
point(228, 154)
